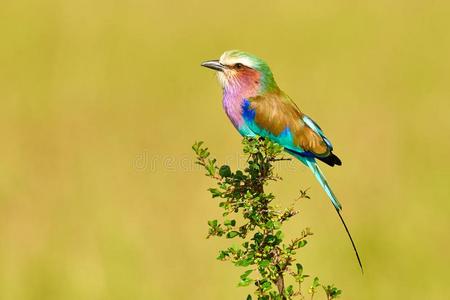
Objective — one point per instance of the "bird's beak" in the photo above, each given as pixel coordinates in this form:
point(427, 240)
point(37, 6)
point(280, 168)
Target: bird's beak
point(213, 64)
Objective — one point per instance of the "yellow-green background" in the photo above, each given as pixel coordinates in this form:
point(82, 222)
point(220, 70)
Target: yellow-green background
point(101, 101)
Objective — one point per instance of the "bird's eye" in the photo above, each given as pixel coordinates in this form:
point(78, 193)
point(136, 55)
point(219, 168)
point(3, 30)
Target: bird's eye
point(238, 65)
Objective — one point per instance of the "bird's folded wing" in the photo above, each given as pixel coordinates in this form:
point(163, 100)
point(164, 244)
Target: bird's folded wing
point(277, 116)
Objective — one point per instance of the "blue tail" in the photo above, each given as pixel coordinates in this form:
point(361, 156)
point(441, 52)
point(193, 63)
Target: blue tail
point(311, 163)
point(323, 182)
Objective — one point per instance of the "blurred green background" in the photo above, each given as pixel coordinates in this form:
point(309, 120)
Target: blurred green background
point(101, 101)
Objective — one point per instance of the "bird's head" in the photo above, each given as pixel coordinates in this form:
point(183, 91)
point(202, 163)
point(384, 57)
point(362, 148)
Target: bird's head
point(244, 73)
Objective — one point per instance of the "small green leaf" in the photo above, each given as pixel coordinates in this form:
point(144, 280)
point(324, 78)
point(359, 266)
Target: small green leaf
point(269, 224)
point(315, 283)
point(290, 290)
point(222, 255)
point(245, 262)
point(239, 175)
point(331, 291)
point(213, 223)
point(276, 225)
point(279, 235)
point(245, 282)
point(225, 171)
point(246, 273)
point(302, 243)
point(266, 285)
point(215, 192)
point(273, 224)
point(232, 234)
point(264, 263)
point(203, 152)
point(197, 146)
point(229, 222)
point(299, 269)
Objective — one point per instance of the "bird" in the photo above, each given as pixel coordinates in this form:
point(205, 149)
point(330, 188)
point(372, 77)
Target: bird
point(257, 107)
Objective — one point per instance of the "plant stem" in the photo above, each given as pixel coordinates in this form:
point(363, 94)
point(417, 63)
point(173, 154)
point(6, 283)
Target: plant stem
point(279, 282)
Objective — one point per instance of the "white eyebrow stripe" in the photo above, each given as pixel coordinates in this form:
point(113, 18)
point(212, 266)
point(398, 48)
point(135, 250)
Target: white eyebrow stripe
point(229, 61)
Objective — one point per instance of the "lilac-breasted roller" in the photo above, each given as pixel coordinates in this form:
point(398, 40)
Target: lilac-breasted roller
point(258, 107)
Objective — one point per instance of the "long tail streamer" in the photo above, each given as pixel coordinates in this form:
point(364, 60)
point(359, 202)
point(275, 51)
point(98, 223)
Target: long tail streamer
point(351, 240)
point(323, 182)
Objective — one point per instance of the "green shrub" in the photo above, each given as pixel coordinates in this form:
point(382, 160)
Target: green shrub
point(250, 215)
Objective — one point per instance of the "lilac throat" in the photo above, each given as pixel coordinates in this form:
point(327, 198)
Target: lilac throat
point(232, 104)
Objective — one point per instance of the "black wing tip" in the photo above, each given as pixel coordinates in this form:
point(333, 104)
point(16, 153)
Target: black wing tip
point(331, 160)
